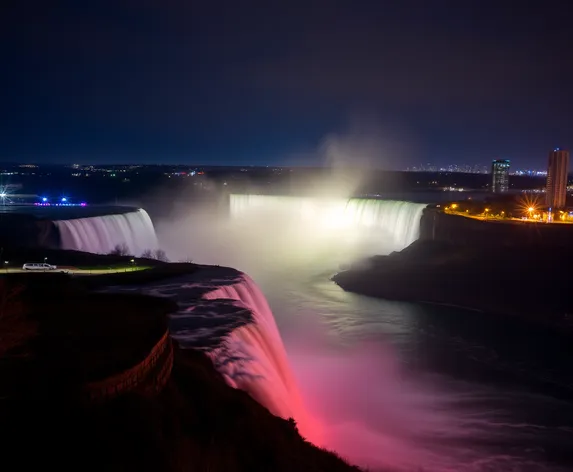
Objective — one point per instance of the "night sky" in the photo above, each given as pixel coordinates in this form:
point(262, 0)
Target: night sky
point(388, 83)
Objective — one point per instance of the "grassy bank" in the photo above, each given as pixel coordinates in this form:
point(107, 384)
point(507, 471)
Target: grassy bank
point(139, 277)
point(17, 256)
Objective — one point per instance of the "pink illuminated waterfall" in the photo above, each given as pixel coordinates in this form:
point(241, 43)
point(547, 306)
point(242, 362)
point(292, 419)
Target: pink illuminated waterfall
point(223, 313)
point(270, 380)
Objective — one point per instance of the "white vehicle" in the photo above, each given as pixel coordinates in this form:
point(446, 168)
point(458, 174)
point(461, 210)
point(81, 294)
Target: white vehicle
point(38, 266)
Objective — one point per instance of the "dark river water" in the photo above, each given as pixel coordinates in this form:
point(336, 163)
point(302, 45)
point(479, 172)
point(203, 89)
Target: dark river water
point(472, 392)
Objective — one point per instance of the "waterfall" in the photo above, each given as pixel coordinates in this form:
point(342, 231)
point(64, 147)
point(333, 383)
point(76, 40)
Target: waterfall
point(402, 219)
point(398, 221)
point(264, 370)
point(223, 313)
point(101, 234)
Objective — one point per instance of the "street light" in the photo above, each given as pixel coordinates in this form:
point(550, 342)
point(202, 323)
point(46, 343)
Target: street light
point(6, 266)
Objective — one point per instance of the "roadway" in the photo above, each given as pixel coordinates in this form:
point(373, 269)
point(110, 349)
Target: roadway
point(505, 219)
point(71, 270)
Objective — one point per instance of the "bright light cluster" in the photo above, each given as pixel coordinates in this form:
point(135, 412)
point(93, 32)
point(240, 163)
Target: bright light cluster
point(83, 204)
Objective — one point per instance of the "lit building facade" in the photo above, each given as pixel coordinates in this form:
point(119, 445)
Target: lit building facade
point(557, 170)
point(500, 176)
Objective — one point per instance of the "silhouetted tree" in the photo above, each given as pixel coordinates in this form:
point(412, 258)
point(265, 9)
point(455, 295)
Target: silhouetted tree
point(292, 424)
point(147, 254)
point(160, 255)
point(120, 250)
point(186, 259)
point(157, 254)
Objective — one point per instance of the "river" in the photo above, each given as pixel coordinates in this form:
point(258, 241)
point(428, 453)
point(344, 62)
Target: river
point(401, 386)
point(452, 389)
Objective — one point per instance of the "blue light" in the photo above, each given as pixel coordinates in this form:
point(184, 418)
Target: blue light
point(44, 199)
point(557, 149)
point(64, 199)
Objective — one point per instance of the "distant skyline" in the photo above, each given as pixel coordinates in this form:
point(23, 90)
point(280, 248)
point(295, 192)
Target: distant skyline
point(303, 83)
point(424, 167)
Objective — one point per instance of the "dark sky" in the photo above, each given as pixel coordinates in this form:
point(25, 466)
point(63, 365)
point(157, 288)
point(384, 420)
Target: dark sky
point(394, 83)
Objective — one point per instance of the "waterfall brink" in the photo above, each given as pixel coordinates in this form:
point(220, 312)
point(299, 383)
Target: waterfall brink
point(101, 234)
point(394, 221)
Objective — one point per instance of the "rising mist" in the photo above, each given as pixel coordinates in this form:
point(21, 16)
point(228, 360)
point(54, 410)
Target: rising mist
point(367, 412)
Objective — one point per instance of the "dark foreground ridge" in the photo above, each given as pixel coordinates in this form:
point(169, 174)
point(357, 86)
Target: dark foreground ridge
point(92, 381)
point(527, 280)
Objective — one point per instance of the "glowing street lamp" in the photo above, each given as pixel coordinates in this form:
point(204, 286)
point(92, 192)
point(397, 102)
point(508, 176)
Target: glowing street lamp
point(4, 197)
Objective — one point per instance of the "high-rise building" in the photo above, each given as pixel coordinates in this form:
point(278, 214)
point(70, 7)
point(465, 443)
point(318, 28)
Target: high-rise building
point(500, 176)
point(557, 170)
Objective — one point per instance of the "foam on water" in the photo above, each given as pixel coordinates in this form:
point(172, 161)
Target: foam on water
point(101, 234)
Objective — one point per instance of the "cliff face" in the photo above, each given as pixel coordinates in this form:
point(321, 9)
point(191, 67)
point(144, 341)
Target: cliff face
point(102, 387)
point(524, 280)
point(195, 423)
point(436, 225)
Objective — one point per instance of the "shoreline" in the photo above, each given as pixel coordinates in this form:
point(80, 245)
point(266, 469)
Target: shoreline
point(548, 322)
point(519, 282)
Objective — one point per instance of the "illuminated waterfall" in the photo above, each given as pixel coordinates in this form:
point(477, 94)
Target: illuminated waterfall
point(224, 313)
point(260, 365)
point(398, 221)
point(101, 234)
